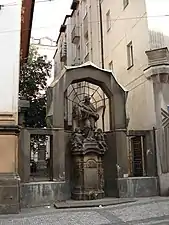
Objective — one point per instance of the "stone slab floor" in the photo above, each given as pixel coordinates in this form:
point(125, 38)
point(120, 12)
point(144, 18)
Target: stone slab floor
point(145, 211)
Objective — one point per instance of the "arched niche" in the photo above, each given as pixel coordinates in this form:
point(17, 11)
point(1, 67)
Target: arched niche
point(116, 94)
point(102, 78)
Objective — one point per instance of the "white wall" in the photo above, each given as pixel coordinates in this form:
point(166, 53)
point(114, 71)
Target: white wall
point(130, 24)
point(10, 28)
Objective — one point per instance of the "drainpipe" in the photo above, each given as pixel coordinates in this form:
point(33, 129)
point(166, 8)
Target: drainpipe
point(102, 56)
point(101, 34)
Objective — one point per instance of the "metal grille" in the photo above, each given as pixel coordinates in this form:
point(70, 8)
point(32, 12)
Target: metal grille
point(137, 156)
point(40, 157)
point(75, 95)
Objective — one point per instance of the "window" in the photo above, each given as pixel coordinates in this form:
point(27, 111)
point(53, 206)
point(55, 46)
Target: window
point(108, 20)
point(125, 3)
point(137, 156)
point(111, 65)
point(130, 55)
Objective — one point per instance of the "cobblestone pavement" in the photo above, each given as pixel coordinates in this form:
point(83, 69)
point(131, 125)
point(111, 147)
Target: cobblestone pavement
point(145, 211)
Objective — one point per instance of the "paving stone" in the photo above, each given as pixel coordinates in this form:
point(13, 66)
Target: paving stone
point(140, 212)
point(143, 212)
point(73, 218)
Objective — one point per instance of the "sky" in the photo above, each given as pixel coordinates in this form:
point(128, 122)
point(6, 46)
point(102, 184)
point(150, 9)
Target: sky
point(48, 17)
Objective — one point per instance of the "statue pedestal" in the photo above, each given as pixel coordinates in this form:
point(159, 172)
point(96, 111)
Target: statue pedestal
point(88, 175)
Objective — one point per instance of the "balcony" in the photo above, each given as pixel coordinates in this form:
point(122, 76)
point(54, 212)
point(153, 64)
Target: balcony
point(75, 35)
point(63, 52)
point(62, 28)
point(74, 5)
point(85, 25)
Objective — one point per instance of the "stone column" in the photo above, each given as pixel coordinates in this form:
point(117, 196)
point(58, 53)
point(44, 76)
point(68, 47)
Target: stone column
point(158, 73)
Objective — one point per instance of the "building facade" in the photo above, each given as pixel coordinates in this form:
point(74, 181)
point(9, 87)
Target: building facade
point(9, 85)
point(81, 35)
point(133, 28)
point(15, 34)
point(45, 47)
point(130, 38)
point(129, 30)
point(10, 61)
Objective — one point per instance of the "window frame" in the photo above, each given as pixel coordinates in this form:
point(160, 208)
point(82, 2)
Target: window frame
point(86, 48)
point(108, 20)
point(111, 65)
point(125, 3)
point(130, 55)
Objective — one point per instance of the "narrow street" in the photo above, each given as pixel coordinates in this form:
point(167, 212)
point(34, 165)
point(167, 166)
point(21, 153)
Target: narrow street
point(145, 211)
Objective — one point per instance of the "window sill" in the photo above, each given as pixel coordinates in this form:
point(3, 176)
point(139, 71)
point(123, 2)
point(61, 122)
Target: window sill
point(130, 67)
point(125, 7)
point(85, 15)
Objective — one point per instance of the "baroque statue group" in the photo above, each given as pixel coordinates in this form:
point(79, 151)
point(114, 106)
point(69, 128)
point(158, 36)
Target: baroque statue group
point(85, 117)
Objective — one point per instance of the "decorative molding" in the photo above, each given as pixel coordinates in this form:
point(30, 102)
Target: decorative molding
point(158, 56)
point(8, 117)
point(158, 73)
point(158, 65)
point(10, 128)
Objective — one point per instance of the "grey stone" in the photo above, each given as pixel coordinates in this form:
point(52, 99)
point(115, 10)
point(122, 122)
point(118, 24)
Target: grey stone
point(43, 193)
point(164, 184)
point(138, 187)
point(9, 193)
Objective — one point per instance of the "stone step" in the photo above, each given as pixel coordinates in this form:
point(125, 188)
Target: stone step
point(92, 203)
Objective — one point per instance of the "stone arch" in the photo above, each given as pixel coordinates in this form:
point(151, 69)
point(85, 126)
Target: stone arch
point(117, 99)
point(94, 75)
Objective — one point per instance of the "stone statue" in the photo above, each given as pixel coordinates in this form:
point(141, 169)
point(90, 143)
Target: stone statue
point(99, 136)
point(77, 138)
point(84, 141)
point(88, 117)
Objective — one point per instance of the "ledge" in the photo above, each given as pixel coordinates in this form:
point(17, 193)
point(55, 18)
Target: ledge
point(10, 128)
point(159, 73)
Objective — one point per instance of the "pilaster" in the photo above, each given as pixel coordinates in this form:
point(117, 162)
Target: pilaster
point(158, 72)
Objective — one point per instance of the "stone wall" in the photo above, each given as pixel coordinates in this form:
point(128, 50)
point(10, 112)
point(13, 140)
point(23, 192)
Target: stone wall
point(43, 193)
point(135, 187)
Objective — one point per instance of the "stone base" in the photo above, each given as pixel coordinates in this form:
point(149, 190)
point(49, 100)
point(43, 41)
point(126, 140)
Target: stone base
point(87, 195)
point(9, 193)
point(133, 187)
point(164, 184)
point(43, 193)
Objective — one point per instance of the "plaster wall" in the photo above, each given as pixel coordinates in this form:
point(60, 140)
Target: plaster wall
point(130, 24)
point(10, 59)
